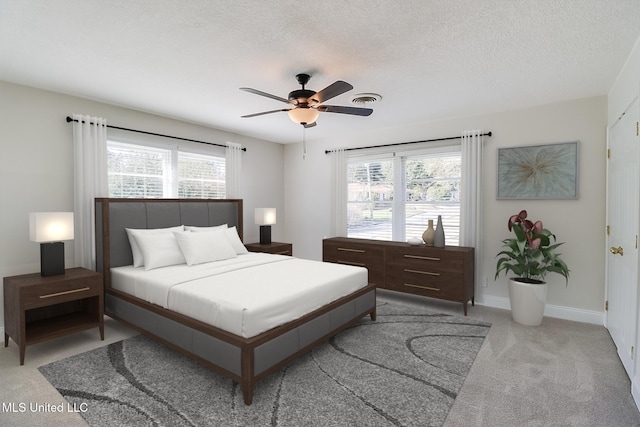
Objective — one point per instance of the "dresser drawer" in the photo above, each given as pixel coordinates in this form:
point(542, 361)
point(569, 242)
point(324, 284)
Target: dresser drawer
point(425, 282)
point(62, 291)
point(426, 271)
point(425, 259)
point(362, 255)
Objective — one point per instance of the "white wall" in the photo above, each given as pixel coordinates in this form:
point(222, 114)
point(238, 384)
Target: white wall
point(36, 166)
point(579, 223)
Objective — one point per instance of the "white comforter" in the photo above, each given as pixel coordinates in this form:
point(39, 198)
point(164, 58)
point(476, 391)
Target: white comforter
point(246, 295)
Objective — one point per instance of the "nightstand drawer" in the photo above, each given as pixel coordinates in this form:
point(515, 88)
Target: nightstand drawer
point(56, 293)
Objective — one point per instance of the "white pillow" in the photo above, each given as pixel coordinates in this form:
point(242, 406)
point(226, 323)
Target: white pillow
point(159, 249)
point(234, 239)
point(232, 235)
point(138, 259)
point(194, 228)
point(198, 248)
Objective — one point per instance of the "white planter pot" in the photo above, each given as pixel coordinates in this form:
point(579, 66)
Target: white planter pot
point(527, 302)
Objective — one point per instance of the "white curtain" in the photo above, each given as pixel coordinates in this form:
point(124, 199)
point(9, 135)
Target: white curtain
point(90, 181)
point(339, 190)
point(233, 168)
point(471, 192)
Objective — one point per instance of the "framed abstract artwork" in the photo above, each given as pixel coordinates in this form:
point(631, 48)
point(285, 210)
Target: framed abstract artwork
point(538, 172)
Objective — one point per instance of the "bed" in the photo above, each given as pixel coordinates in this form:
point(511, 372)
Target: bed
point(225, 337)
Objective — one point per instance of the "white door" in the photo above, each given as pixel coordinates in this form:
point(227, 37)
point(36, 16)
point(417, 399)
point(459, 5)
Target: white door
point(622, 243)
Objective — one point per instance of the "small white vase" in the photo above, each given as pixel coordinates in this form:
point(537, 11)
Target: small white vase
point(527, 302)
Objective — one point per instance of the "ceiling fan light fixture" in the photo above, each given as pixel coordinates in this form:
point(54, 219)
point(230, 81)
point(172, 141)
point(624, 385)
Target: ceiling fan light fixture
point(302, 115)
point(306, 105)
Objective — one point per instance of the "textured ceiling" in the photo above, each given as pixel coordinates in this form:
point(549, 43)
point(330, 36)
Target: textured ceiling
point(429, 59)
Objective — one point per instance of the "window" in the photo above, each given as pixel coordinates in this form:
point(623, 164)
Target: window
point(144, 171)
point(137, 171)
point(433, 188)
point(370, 198)
point(200, 176)
point(393, 197)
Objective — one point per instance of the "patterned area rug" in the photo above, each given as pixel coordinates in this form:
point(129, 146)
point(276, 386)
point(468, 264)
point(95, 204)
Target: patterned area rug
point(405, 369)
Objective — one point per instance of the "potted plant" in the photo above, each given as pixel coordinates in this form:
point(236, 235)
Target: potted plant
point(530, 255)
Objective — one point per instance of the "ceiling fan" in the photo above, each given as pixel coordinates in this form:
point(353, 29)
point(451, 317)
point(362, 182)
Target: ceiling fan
point(307, 103)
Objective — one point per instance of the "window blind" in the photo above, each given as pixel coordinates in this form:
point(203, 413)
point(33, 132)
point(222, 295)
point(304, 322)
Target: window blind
point(142, 171)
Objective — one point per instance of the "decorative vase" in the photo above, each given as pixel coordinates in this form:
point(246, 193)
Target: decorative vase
point(438, 238)
point(527, 301)
point(429, 234)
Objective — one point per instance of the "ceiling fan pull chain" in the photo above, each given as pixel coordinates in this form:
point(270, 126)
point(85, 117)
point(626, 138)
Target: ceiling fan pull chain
point(304, 143)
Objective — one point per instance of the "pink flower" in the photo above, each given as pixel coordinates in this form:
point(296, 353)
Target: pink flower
point(517, 219)
point(538, 227)
point(535, 243)
point(528, 227)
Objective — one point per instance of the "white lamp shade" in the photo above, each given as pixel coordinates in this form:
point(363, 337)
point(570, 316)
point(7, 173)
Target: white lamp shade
point(303, 115)
point(50, 226)
point(265, 216)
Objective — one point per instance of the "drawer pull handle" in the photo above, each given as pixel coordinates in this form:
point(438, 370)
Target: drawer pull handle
point(360, 251)
point(428, 258)
point(57, 294)
point(422, 287)
point(358, 264)
point(421, 272)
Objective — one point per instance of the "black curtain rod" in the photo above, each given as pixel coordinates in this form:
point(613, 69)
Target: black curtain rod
point(69, 120)
point(402, 143)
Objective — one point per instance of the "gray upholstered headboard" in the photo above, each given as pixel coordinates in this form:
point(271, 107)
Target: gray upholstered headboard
point(114, 215)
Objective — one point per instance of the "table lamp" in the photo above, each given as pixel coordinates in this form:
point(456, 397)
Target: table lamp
point(49, 229)
point(265, 218)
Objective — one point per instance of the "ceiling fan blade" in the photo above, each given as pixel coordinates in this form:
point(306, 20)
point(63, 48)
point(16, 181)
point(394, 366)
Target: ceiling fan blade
point(261, 93)
point(309, 125)
point(331, 91)
point(263, 113)
point(355, 111)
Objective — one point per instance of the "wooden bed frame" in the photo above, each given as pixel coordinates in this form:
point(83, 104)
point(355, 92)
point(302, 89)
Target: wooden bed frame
point(244, 360)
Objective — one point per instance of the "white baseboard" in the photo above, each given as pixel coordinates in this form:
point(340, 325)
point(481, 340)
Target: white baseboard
point(557, 311)
point(495, 302)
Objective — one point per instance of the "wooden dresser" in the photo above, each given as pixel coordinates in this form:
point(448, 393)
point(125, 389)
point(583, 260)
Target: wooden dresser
point(444, 273)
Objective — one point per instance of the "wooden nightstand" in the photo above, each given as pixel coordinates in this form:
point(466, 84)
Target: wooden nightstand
point(40, 308)
point(271, 248)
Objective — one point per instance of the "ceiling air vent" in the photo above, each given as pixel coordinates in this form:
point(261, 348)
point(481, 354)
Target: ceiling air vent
point(365, 98)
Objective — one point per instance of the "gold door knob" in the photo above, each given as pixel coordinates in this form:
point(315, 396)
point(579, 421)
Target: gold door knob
point(617, 251)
